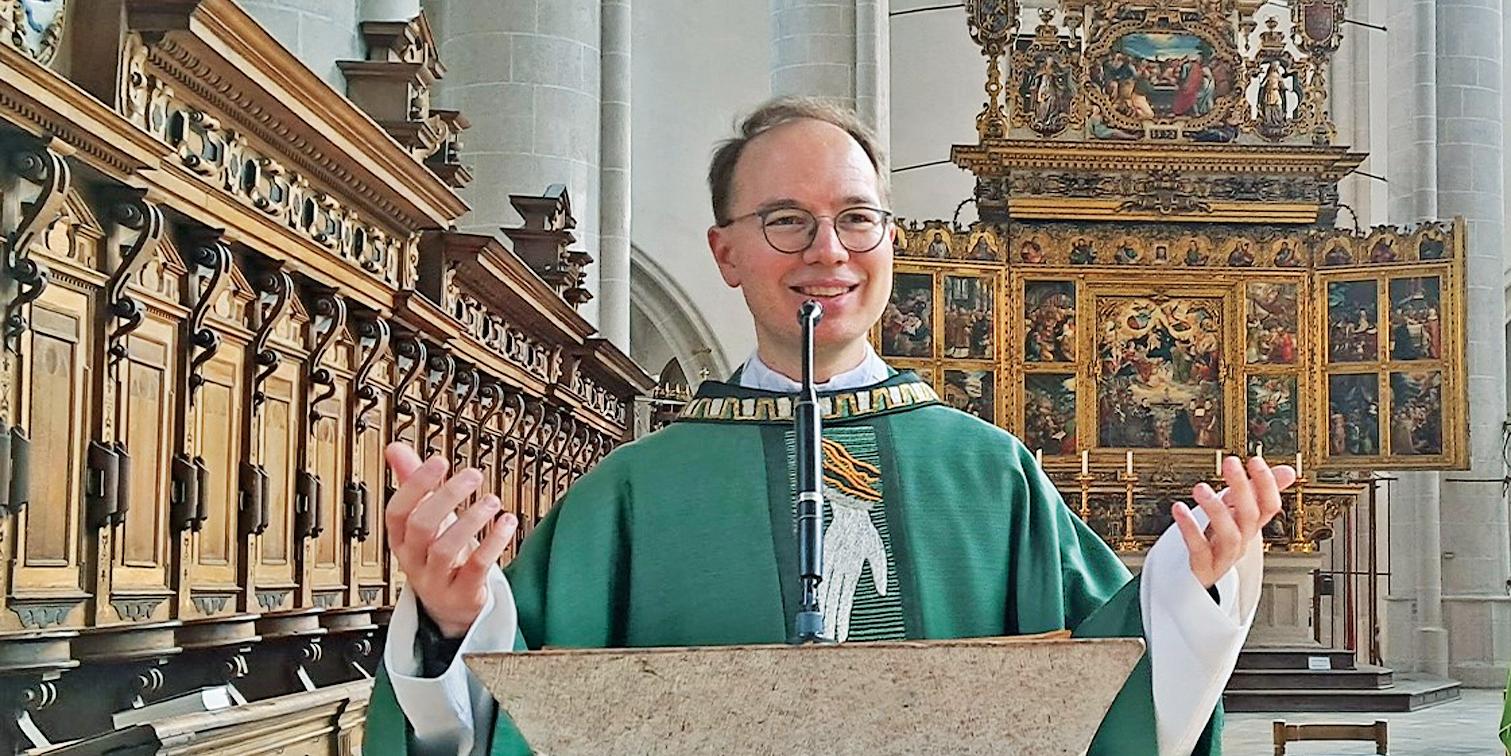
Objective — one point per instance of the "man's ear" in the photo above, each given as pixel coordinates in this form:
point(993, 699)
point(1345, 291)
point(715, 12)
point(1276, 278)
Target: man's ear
point(723, 251)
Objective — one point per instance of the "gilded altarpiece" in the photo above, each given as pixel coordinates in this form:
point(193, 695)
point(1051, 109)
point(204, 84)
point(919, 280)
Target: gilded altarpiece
point(1156, 276)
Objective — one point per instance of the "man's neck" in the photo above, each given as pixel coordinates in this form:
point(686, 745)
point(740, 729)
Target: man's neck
point(826, 363)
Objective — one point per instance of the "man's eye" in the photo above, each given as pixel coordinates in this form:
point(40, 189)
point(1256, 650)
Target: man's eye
point(785, 220)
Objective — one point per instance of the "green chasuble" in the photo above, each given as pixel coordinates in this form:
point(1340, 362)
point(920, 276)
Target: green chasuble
point(939, 525)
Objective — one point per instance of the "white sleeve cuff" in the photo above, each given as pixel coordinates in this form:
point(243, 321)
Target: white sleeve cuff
point(1193, 641)
point(452, 713)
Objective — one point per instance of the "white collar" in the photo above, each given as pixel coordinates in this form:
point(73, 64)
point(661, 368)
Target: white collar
point(757, 375)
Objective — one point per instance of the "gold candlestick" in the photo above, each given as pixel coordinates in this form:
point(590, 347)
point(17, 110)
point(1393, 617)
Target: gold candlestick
point(1300, 543)
point(1128, 542)
point(1085, 480)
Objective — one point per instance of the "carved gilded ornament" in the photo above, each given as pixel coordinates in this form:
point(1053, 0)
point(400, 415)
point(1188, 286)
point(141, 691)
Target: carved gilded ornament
point(1137, 71)
point(228, 161)
point(34, 26)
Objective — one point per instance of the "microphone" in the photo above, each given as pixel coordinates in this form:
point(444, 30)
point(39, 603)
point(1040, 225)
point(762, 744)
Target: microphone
point(811, 310)
point(808, 427)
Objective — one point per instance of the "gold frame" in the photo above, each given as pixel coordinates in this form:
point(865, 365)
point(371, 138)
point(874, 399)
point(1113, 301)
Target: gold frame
point(1172, 277)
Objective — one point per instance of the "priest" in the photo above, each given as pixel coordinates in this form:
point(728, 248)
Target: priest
point(939, 525)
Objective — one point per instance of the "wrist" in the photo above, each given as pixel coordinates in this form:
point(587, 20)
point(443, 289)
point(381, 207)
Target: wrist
point(452, 630)
point(444, 627)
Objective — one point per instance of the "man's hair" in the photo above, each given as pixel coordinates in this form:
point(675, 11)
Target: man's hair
point(778, 112)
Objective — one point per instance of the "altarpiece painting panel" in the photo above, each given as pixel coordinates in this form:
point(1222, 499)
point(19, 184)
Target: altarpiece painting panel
point(907, 324)
point(972, 391)
point(1049, 412)
point(1159, 372)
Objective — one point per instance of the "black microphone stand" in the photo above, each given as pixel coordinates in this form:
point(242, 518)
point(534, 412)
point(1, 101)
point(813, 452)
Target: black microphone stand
point(808, 422)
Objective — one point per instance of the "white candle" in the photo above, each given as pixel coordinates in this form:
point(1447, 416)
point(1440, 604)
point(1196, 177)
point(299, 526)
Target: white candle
point(1259, 450)
point(1130, 462)
point(1085, 461)
point(1217, 463)
point(1298, 464)
point(1039, 456)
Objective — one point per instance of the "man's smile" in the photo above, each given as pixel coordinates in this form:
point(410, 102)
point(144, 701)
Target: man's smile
point(825, 291)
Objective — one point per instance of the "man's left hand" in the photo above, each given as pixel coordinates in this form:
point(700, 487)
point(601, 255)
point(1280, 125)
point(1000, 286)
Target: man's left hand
point(1235, 517)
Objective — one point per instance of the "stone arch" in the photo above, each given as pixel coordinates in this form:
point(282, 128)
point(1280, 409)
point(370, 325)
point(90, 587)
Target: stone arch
point(660, 305)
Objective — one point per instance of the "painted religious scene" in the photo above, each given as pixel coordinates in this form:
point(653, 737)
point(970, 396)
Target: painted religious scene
point(973, 391)
point(969, 320)
point(1155, 75)
point(1049, 412)
point(1159, 368)
point(1272, 414)
point(1353, 402)
point(1049, 320)
point(1416, 328)
point(1416, 413)
point(1353, 326)
point(907, 324)
point(1270, 324)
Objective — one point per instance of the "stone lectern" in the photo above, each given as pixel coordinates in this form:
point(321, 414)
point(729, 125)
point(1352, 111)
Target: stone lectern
point(1010, 696)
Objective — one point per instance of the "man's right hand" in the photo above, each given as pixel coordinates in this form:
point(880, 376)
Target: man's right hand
point(445, 565)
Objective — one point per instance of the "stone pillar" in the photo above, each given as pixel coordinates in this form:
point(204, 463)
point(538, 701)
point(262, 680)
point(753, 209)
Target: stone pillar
point(837, 50)
point(526, 74)
point(1419, 639)
point(319, 32)
point(614, 177)
point(390, 10)
point(1470, 181)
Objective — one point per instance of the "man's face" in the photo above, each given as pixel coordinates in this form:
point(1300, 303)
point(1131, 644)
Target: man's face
point(820, 168)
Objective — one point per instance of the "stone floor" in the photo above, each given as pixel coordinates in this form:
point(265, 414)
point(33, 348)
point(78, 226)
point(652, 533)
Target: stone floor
point(1464, 727)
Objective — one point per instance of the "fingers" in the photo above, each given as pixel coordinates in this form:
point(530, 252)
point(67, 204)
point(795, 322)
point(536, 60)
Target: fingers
point(403, 460)
point(1285, 477)
point(487, 554)
point(1223, 535)
point(420, 481)
point(1246, 509)
point(1239, 487)
point(1196, 540)
point(451, 548)
point(425, 521)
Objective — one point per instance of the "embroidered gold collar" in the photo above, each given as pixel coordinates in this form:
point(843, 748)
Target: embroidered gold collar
point(718, 402)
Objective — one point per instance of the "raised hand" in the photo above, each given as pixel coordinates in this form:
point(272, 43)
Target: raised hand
point(1235, 517)
point(445, 565)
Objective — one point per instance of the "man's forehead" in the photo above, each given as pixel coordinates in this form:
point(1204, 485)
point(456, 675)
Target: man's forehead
point(778, 203)
point(806, 162)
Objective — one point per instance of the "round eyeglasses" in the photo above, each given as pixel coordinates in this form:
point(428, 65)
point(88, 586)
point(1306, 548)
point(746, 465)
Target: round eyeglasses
point(791, 230)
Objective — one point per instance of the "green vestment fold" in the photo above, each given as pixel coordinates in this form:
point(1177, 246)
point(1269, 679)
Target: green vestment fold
point(687, 537)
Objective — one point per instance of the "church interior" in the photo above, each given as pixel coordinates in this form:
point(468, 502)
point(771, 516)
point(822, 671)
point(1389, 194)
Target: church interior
point(244, 244)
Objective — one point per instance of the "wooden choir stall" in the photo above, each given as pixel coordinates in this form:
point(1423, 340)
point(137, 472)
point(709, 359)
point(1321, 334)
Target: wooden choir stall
point(225, 288)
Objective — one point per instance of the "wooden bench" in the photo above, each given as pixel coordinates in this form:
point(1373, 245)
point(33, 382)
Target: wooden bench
point(1285, 733)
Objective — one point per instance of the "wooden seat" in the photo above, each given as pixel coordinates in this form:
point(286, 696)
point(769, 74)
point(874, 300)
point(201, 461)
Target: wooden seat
point(1284, 733)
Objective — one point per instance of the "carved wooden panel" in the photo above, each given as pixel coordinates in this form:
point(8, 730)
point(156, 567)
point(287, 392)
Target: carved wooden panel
point(147, 404)
point(282, 417)
point(370, 558)
point(218, 417)
point(328, 457)
point(54, 407)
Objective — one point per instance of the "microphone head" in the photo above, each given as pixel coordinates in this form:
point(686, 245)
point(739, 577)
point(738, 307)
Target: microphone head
point(810, 309)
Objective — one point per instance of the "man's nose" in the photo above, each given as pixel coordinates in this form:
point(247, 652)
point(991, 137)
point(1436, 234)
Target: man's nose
point(826, 248)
